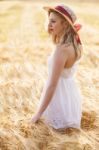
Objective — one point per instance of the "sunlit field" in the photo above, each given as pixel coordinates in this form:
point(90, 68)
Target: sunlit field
point(24, 49)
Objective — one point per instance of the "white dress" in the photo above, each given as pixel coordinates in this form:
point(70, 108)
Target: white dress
point(65, 107)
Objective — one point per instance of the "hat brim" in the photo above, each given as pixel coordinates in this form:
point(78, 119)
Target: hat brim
point(51, 8)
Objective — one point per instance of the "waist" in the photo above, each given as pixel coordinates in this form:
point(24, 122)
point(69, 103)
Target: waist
point(67, 77)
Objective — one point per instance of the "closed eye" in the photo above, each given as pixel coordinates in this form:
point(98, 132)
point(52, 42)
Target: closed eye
point(53, 21)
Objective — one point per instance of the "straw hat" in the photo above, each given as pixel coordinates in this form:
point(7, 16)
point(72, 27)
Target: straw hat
point(67, 13)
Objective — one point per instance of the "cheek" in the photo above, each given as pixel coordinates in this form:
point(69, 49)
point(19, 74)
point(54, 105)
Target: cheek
point(58, 28)
point(56, 25)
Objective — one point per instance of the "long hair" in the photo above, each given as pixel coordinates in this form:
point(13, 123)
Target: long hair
point(68, 37)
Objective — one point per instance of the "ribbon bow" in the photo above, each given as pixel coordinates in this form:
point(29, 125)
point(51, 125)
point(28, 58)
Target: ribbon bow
point(78, 27)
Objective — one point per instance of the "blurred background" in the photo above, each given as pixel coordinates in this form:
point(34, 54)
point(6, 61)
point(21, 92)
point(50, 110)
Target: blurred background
point(24, 49)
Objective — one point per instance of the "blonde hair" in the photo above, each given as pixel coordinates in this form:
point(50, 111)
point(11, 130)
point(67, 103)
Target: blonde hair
point(68, 37)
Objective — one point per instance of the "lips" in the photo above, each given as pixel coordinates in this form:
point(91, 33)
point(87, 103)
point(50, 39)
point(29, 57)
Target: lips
point(50, 30)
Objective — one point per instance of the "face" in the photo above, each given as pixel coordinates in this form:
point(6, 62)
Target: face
point(56, 24)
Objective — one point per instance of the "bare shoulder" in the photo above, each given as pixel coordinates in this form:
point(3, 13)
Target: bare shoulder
point(64, 48)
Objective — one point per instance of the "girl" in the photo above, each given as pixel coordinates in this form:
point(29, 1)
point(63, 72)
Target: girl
point(61, 101)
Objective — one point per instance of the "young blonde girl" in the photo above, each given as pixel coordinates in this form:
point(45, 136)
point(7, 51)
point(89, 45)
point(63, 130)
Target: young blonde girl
point(61, 101)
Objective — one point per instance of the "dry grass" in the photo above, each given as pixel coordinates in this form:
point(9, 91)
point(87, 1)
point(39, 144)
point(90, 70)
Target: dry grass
point(24, 48)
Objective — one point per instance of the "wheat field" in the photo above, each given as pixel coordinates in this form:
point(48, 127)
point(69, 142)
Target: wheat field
point(24, 49)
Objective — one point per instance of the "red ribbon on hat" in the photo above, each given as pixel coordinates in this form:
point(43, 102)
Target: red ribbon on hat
point(63, 11)
point(77, 28)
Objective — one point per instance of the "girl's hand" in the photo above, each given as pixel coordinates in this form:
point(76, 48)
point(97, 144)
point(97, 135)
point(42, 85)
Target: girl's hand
point(35, 118)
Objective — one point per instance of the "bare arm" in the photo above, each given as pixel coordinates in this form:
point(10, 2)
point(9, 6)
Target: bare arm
point(60, 58)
